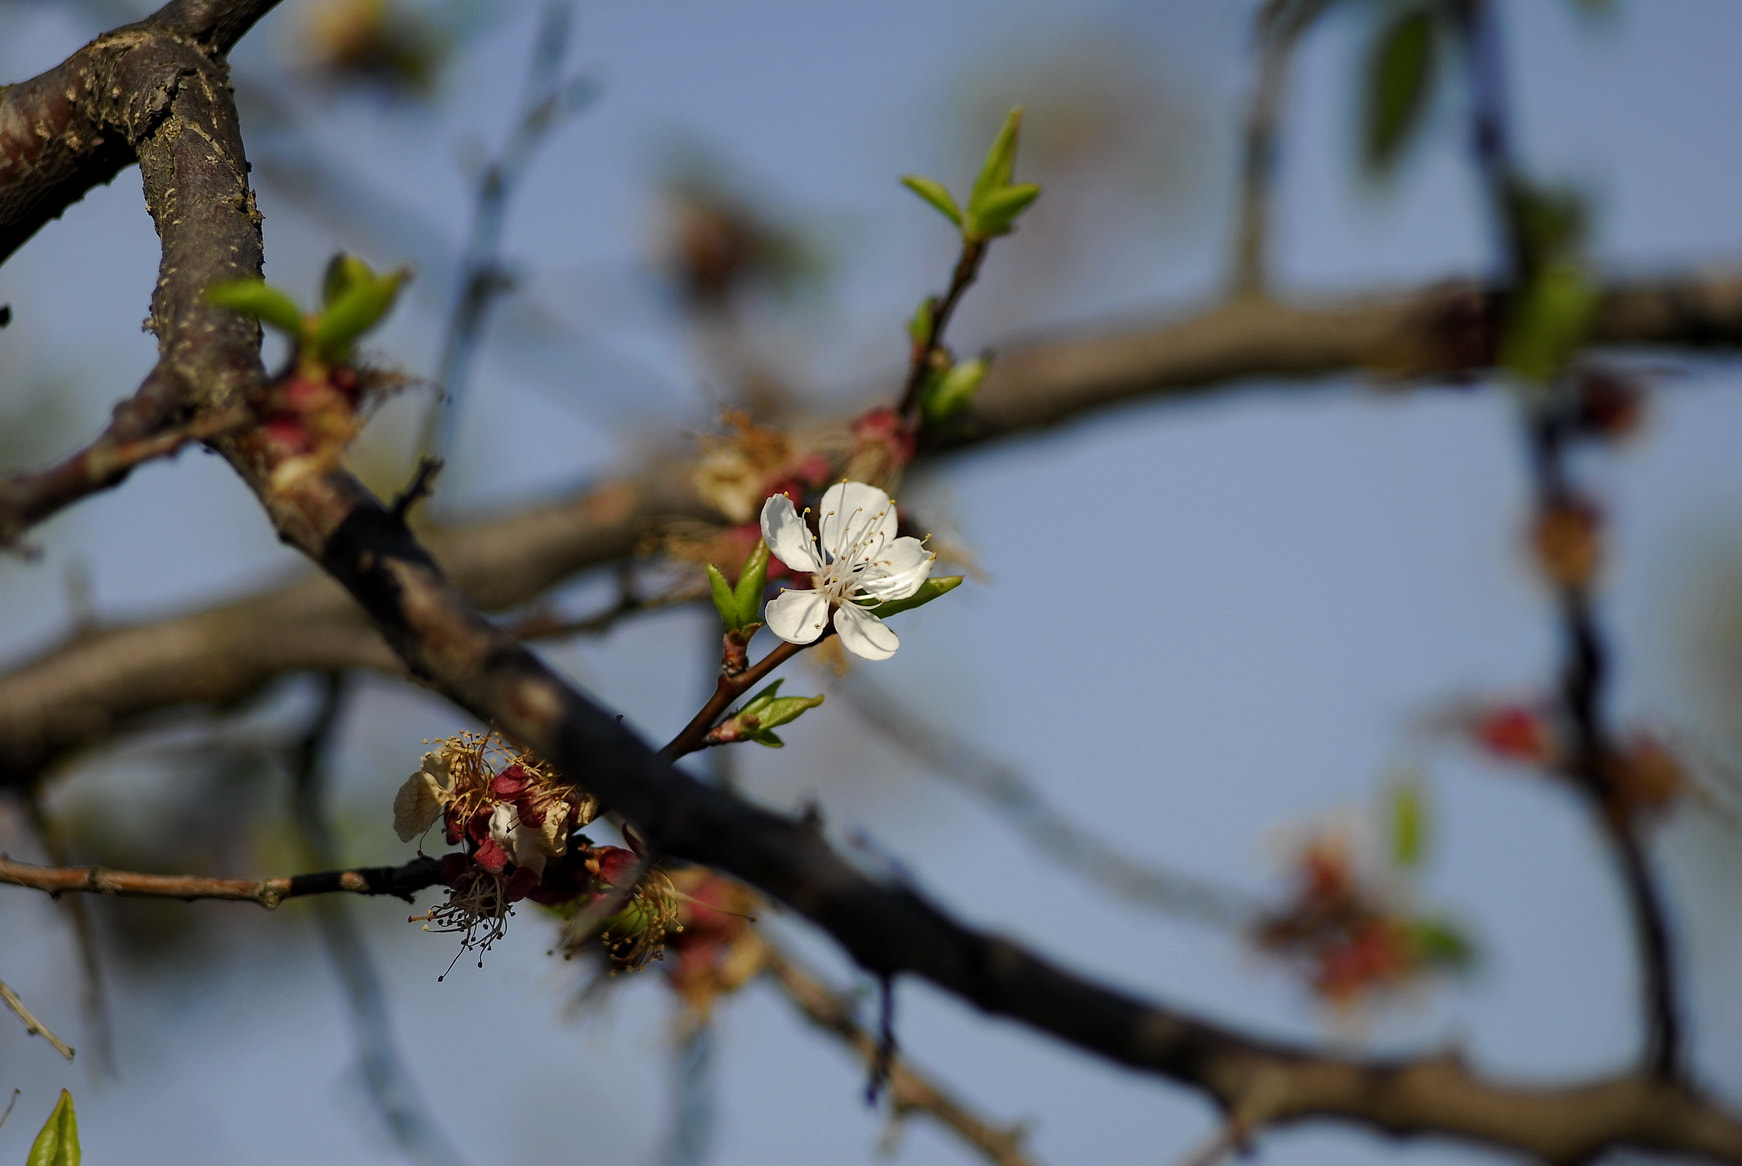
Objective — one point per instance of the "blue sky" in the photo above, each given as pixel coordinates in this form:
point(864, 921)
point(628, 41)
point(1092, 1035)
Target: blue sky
point(1202, 623)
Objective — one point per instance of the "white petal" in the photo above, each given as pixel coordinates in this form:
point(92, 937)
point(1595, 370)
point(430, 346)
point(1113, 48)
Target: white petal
point(520, 841)
point(417, 805)
point(898, 571)
point(863, 634)
point(798, 617)
point(855, 515)
point(788, 539)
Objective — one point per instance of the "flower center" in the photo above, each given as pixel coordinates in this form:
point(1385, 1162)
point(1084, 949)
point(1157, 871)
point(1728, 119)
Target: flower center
point(858, 544)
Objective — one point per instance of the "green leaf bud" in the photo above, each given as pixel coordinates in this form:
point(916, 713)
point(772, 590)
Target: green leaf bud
point(919, 328)
point(344, 272)
point(752, 579)
point(257, 298)
point(928, 591)
point(58, 1143)
point(1408, 825)
point(1400, 76)
point(996, 214)
point(724, 601)
point(1000, 161)
point(359, 308)
point(935, 193)
point(769, 710)
point(1548, 323)
point(1443, 944)
point(952, 393)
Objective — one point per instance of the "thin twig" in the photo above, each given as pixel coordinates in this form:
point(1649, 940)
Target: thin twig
point(1585, 662)
point(28, 498)
point(391, 1086)
point(726, 690)
point(400, 881)
point(31, 1024)
point(962, 764)
point(910, 1090)
point(967, 270)
point(1278, 31)
point(93, 999)
point(547, 102)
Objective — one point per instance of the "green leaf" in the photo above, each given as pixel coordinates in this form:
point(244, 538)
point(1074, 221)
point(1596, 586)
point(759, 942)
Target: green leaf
point(919, 328)
point(724, 601)
point(996, 213)
point(752, 579)
point(1408, 825)
point(935, 193)
point(766, 711)
point(359, 308)
point(1000, 161)
point(344, 272)
point(1548, 323)
point(953, 392)
point(257, 298)
point(1443, 944)
point(58, 1143)
point(928, 591)
point(1400, 76)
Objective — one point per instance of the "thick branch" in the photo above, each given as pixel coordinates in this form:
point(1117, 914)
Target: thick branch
point(100, 683)
point(77, 125)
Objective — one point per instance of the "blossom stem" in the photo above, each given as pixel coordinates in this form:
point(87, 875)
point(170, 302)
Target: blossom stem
point(967, 270)
point(726, 690)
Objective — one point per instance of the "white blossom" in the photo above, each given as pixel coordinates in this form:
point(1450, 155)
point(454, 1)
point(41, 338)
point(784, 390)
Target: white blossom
point(859, 563)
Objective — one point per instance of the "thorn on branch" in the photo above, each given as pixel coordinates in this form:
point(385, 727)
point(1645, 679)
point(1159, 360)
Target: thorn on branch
point(421, 485)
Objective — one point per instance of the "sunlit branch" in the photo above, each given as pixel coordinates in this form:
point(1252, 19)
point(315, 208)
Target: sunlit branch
point(910, 1091)
point(400, 881)
point(32, 1025)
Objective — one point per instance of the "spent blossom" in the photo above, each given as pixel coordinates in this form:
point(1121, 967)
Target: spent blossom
point(859, 563)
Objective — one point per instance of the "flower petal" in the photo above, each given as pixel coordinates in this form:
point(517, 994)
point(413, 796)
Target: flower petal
point(863, 634)
point(898, 571)
point(798, 617)
point(858, 521)
point(417, 805)
point(516, 838)
point(788, 539)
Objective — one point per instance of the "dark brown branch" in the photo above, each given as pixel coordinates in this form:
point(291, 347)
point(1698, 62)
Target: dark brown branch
point(77, 125)
point(29, 498)
point(400, 881)
point(910, 1091)
point(726, 690)
point(79, 693)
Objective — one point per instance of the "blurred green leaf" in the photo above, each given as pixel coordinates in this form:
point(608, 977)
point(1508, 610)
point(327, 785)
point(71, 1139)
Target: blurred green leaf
point(344, 272)
point(1400, 76)
point(58, 1143)
point(1408, 825)
point(724, 601)
point(996, 213)
point(1443, 944)
point(357, 309)
point(953, 392)
point(1548, 323)
point(752, 579)
point(1000, 160)
point(935, 193)
point(919, 328)
point(928, 591)
point(257, 298)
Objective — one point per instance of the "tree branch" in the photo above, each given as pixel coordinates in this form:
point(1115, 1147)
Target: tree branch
point(79, 693)
point(400, 881)
point(910, 1091)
